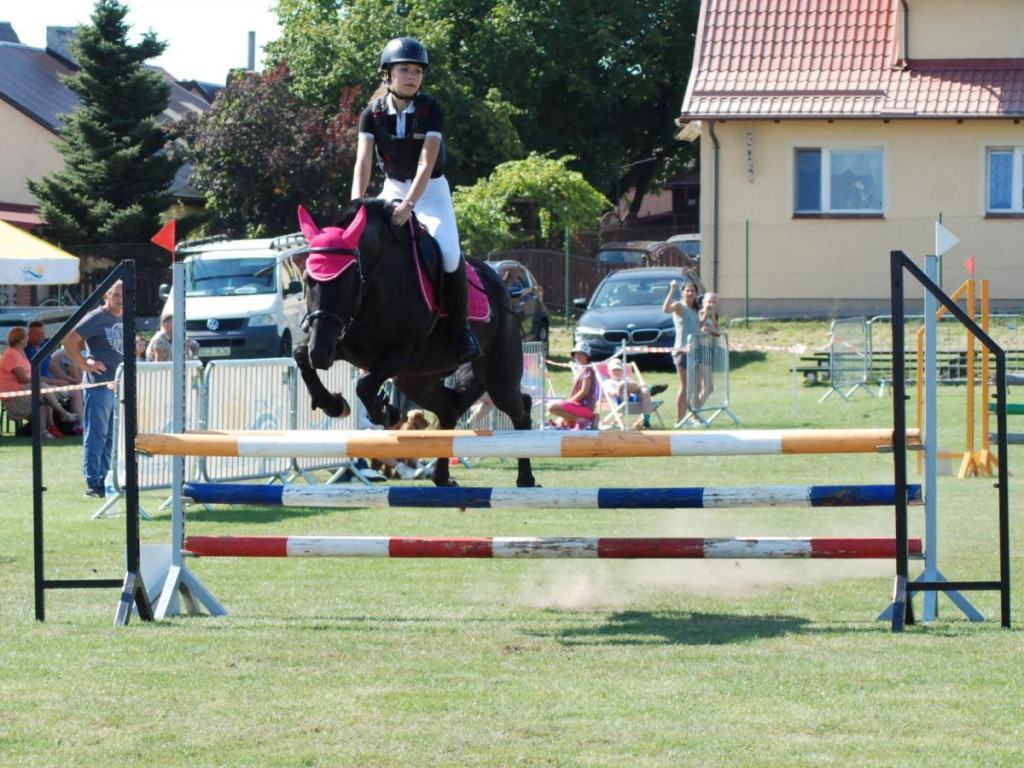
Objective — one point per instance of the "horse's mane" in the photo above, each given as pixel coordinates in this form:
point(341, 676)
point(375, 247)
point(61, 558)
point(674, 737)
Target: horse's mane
point(375, 210)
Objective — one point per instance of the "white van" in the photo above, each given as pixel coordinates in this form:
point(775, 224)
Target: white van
point(240, 300)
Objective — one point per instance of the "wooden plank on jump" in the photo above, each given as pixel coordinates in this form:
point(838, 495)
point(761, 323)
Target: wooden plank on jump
point(427, 496)
point(530, 547)
point(381, 444)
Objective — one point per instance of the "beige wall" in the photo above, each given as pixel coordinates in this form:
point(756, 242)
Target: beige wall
point(26, 152)
point(841, 266)
point(965, 29)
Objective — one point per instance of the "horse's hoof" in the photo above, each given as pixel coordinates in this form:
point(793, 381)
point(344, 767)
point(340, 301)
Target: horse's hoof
point(336, 408)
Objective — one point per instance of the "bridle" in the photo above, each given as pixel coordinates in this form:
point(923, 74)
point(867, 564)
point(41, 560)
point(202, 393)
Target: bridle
point(364, 281)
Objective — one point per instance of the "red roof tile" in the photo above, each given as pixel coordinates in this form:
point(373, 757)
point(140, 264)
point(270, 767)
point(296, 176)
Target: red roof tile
point(833, 58)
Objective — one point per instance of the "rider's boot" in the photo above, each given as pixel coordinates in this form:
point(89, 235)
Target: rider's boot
point(457, 291)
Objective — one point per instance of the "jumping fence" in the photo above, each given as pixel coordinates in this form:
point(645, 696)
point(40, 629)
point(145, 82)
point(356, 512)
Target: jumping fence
point(550, 443)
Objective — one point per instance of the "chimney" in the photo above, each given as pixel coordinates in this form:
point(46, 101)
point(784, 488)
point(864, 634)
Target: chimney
point(7, 33)
point(58, 43)
point(252, 52)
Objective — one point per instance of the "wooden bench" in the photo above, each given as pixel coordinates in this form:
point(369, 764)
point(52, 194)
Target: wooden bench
point(815, 368)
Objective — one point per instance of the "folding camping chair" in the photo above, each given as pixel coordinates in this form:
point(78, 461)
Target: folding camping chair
point(615, 409)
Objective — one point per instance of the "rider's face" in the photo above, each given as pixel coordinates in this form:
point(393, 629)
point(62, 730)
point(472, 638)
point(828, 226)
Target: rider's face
point(406, 79)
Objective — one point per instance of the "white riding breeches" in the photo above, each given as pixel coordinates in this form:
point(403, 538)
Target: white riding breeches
point(435, 211)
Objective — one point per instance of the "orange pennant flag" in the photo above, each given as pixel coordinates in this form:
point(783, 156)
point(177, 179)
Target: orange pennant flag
point(969, 264)
point(165, 237)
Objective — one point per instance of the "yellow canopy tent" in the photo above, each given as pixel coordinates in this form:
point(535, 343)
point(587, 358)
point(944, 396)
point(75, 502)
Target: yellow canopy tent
point(27, 260)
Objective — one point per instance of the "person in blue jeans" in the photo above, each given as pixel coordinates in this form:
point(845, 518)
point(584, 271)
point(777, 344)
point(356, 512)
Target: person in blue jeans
point(96, 345)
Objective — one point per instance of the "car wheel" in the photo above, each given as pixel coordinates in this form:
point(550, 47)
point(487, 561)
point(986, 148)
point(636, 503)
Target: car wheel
point(540, 334)
point(285, 349)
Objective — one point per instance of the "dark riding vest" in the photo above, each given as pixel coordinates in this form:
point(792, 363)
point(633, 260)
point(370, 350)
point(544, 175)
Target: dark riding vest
point(397, 157)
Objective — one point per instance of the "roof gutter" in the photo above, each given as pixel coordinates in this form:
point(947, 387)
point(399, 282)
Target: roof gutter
point(714, 204)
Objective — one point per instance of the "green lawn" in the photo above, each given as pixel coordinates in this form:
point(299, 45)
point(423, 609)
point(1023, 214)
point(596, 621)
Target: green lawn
point(505, 663)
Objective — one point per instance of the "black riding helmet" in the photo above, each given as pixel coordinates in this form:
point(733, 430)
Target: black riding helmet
point(404, 50)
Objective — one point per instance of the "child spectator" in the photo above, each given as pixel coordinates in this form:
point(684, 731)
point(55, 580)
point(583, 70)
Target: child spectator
point(577, 410)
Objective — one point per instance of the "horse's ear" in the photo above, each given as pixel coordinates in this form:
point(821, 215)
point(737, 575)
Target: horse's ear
point(306, 224)
point(355, 230)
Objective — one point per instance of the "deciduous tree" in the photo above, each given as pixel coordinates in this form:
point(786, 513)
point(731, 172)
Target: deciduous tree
point(260, 152)
point(556, 196)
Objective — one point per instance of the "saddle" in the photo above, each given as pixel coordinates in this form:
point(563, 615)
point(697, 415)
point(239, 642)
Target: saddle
point(333, 250)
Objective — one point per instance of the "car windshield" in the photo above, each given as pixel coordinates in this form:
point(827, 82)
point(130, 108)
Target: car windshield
point(637, 292)
point(691, 247)
point(229, 277)
point(609, 256)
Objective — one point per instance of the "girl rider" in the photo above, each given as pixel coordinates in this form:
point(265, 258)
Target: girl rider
point(404, 126)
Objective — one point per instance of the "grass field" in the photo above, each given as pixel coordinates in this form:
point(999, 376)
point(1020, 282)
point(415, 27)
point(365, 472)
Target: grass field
point(505, 663)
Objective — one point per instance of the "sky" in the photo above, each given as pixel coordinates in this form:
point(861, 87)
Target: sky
point(205, 38)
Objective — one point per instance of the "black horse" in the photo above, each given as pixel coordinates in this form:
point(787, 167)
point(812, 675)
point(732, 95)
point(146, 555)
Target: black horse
point(369, 311)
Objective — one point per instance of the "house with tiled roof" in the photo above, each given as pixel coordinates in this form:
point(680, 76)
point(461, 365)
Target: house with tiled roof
point(32, 98)
point(835, 131)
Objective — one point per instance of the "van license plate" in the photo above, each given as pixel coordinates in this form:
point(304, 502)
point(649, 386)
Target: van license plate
point(214, 351)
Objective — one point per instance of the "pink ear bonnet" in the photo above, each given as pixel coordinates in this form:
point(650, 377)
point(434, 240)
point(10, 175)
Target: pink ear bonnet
point(332, 249)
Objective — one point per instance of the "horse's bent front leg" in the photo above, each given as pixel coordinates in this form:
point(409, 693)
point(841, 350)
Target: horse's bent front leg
point(378, 410)
point(333, 405)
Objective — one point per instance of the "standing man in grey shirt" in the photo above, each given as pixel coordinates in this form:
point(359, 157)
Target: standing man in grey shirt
point(96, 345)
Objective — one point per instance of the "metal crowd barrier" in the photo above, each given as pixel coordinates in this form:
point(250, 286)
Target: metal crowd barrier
point(849, 357)
point(250, 395)
point(154, 413)
point(707, 377)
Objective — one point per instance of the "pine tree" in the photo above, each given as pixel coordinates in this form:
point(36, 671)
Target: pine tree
point(116, 176)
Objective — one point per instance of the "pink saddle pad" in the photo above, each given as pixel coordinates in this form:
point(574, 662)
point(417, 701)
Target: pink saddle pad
point(479, 307)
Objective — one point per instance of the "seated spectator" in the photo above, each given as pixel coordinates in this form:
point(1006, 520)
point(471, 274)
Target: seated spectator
point(577, 410)
point(621, 388)
point(140, 348)
point(160, 346)
point(53, 376)
point(15, 375)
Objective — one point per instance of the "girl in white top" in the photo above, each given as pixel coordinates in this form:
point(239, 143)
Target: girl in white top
point(686, 318)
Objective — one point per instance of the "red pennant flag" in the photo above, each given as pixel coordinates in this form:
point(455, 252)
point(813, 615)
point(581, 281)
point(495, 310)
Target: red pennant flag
point(165, 237)
point(969, 264)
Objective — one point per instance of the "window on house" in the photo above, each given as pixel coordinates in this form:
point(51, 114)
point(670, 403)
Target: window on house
point(839, 180)
point(1006, 180)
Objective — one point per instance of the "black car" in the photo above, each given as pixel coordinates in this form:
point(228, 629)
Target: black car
point(527, 299)
point(626, 309)
point(647, 253)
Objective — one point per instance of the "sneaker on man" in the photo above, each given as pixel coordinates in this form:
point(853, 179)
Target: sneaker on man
point(96, 493)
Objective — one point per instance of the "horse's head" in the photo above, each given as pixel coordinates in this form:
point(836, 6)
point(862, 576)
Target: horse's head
point(332, 297)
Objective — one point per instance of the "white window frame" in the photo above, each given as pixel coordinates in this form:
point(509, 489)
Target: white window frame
point(1016, 179)
point(826, 188)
